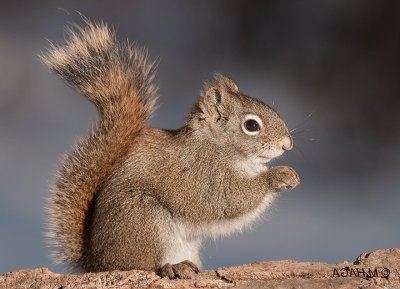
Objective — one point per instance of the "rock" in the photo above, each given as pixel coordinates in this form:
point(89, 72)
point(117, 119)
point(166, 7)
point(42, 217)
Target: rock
point(379, 269)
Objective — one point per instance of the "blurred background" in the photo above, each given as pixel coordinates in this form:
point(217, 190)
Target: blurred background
point(330, 68)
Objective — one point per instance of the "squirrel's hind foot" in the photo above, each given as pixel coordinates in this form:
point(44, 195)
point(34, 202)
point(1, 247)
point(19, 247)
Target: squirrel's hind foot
point(182, 270)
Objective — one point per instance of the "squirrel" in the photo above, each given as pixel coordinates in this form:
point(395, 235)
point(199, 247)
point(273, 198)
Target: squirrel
point(130, 196)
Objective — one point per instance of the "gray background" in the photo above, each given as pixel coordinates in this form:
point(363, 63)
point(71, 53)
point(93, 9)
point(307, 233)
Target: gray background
point(330, 68)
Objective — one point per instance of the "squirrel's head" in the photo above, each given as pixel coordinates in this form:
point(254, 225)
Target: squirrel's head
point(247, 128)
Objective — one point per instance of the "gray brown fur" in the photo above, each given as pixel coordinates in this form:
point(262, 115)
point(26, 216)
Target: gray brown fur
point(136, 197)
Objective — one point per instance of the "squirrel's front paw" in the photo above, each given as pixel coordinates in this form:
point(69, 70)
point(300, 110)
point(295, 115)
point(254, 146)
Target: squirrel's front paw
point(182, 270)
point(283, 178)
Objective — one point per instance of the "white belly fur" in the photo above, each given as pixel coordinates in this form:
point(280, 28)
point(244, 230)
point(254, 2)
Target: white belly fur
point(181, 245)
point(184, 240)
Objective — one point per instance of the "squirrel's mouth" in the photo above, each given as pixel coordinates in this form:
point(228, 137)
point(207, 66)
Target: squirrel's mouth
point(265, 159)
point(269, 155)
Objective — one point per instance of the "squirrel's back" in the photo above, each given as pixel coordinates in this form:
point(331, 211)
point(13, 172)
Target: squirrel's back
point(117, 79)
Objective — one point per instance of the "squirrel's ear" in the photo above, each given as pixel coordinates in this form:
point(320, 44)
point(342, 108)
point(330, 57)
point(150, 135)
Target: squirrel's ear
point(217, 96)
point(226, 82)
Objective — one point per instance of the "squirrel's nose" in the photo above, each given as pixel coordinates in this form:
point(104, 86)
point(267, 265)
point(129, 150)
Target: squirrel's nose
point(287, 143)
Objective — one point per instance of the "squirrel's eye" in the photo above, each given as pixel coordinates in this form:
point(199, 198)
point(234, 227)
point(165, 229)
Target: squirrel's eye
point(252, 125)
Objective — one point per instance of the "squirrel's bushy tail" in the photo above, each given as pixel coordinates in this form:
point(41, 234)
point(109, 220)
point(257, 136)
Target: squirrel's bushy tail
point(117, 79)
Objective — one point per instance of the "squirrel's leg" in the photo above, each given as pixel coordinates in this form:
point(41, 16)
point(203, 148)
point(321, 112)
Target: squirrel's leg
point(125, 231)
point(133, 230)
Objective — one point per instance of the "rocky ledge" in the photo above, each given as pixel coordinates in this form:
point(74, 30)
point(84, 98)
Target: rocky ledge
point(379, 269)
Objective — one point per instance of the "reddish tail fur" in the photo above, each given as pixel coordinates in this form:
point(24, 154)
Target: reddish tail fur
point(117, 79)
